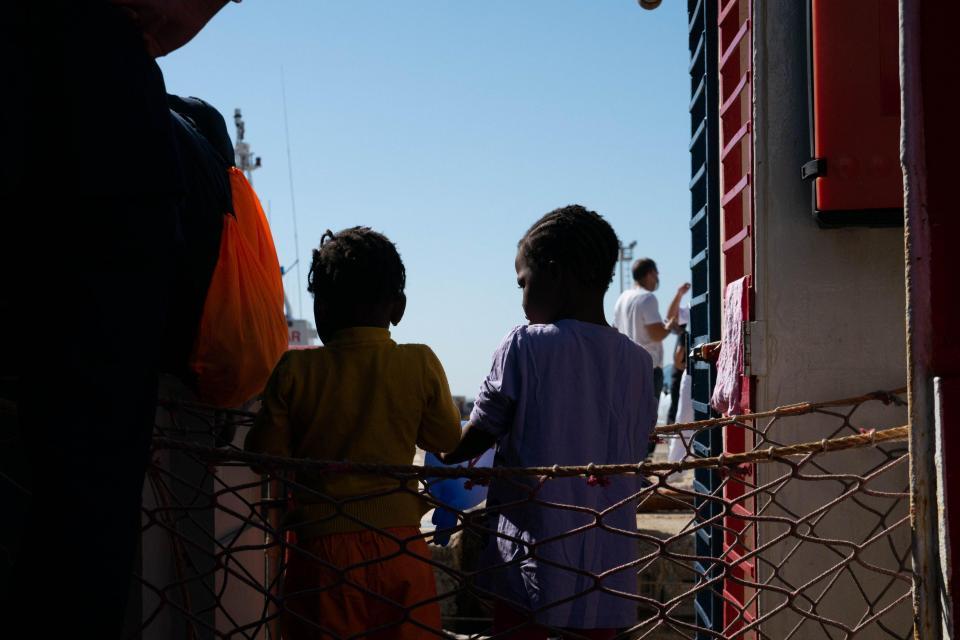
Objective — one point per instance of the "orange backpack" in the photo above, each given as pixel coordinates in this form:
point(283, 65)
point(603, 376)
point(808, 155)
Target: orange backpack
point(243, 331)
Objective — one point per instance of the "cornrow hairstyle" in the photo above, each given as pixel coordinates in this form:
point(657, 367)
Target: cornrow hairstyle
point(641, 268)
point(356, 266)
point(577, 238)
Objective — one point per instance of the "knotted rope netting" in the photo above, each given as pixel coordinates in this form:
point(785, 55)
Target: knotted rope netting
point(812, 518)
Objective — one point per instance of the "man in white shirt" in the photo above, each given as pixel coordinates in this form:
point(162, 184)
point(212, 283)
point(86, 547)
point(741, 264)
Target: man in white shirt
point(637, 315)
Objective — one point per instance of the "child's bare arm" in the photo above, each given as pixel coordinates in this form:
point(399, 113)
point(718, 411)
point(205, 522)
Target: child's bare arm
point(473, 442)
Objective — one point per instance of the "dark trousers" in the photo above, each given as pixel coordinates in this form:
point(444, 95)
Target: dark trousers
point(89, 180)
point(657, 391)
point(85, 332)
point(675, 378)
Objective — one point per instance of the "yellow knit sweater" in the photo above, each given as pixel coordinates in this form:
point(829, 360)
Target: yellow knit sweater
point(362, 398)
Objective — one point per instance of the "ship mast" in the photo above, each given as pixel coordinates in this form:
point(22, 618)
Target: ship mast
point(301, 332)
point(246, 161)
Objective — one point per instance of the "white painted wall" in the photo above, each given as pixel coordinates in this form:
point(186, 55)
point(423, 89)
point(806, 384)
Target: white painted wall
point(832, 307)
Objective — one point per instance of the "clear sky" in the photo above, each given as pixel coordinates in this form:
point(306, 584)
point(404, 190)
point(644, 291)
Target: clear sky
point(451, 126)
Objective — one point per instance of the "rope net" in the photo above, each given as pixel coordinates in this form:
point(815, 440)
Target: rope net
point(804, 533)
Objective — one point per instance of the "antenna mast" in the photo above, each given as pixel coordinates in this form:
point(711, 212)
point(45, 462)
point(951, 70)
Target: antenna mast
point(293, 201)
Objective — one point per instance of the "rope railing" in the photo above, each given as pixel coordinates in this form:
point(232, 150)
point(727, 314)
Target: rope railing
point(872, 437)
point(813, 518)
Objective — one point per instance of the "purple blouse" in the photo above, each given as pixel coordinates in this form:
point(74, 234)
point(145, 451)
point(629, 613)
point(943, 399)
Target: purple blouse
point(567, 393)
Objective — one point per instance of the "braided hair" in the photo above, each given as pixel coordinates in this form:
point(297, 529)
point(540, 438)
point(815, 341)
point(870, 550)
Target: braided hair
point(575, 237)
point(356, 266)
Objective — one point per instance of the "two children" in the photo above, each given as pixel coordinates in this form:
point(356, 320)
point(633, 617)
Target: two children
point(565, 389)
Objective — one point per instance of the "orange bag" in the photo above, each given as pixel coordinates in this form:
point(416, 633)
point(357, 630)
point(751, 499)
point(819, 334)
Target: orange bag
point(243, 331)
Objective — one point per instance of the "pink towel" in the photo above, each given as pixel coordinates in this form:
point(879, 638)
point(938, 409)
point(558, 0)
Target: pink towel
point(726, 393)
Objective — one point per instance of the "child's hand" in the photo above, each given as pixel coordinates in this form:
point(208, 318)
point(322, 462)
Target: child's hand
point(473, 442)
point(682, 289)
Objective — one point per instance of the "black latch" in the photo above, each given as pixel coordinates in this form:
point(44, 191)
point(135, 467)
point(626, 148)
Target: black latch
point(813, 169)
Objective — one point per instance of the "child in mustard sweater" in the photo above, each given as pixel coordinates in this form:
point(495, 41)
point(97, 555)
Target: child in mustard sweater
point(361, 397)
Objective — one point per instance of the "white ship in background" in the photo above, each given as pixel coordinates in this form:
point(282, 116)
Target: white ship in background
point(300, 331)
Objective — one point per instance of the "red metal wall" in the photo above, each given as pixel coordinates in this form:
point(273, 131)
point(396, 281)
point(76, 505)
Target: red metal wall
point(735, 39)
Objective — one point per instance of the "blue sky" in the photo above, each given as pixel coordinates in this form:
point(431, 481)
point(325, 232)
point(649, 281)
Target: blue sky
point(451, 126)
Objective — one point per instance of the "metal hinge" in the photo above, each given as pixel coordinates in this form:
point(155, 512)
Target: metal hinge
point(754, 351)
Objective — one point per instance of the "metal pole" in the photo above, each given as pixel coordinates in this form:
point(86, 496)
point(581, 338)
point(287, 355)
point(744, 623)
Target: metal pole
point(274, 498)
point(928, 581)
point(245, 159)
point(626, 257)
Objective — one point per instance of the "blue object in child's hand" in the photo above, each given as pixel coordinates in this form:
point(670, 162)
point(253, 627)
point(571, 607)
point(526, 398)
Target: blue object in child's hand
point(454, 494)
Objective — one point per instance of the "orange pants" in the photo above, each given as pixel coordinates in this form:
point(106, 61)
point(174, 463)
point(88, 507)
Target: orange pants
point(336, 586)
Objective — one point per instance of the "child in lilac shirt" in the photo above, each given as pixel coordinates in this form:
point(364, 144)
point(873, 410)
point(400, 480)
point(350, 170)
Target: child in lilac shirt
point(567, 389)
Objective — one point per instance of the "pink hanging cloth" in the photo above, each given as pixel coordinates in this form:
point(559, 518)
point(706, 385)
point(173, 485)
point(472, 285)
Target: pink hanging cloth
point(726, 392)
